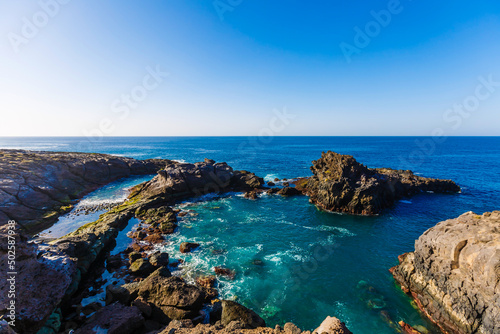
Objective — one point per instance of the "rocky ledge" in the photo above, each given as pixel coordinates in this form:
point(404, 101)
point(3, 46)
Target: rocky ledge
point(454, 273)
point(342, 184)
point(36, 187)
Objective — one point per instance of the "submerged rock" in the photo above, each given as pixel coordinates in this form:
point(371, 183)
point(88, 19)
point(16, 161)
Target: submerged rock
point(187, 247)
point(289, 191)
point(342, 184)
point(183, 180)
point(454, 273)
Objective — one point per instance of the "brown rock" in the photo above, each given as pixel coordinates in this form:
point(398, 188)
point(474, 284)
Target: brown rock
point(171, 296)
point(114, 319)
point(332, 325)
point(232, 311)
point(342, 184)
point(453, 274)
point(187, 247)
point(222, 271)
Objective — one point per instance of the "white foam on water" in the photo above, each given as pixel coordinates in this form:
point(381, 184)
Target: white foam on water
point(271, 177)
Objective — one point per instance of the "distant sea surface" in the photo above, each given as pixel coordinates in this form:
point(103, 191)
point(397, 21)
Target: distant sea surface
point(273, 242)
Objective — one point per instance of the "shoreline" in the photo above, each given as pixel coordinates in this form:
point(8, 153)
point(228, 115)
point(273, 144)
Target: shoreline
point(149, 196)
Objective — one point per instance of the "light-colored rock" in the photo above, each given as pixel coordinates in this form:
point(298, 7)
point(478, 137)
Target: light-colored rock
point(332, 325)
point(454, 273)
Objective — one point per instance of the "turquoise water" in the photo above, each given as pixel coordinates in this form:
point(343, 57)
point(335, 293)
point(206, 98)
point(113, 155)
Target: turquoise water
point(112, 193)
point(312, 261)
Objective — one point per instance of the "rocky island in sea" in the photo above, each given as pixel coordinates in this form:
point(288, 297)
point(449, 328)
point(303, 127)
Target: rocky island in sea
point(53, 275)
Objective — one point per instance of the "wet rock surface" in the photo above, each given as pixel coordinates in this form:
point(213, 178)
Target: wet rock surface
point(36, 187)
point(454, 273)
point(341, 184)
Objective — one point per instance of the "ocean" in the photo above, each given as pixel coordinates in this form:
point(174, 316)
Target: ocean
point(294, 262)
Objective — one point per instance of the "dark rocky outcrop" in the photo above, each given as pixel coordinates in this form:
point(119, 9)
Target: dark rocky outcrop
point(187, 247)
point(37, 270)
point(183, 180)
point(36, 187)
point(113, 319)
point(341, 184)
point(454, 273)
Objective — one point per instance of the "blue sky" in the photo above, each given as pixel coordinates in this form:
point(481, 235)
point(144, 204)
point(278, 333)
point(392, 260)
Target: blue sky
point(234, 64)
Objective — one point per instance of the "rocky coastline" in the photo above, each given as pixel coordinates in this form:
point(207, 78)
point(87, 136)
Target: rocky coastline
point(341, 184)
point(454, 273)
point(37, 187)
point(149, 298)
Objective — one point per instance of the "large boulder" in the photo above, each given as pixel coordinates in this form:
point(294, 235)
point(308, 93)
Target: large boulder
point(342, 184)
point(232, 311)
point(113, 319)
point(172, 296)
point(454, 273)
point(332, 325)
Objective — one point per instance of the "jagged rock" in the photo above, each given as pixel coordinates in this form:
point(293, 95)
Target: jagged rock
point(141, 267)
point(232, 311)
point(454, 273)
point(182, 180)
point(290, 328)
point(172, 296)
point(342, 184)
point(289, 191)
point(251, 194)
point(113, 319)
point(223, 271)
point(332, 325)
point(133, 256)
point(159, 259)
point(122, 293)
point(187, 247)
point(36, 270)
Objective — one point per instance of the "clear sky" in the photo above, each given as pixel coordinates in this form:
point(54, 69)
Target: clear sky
point(83, 67)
